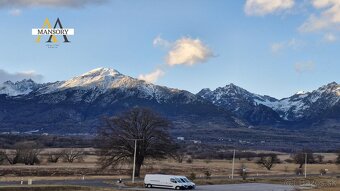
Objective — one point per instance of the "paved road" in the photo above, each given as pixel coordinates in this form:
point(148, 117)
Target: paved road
point(246, 187)
point(226, 187)
point(238, 187)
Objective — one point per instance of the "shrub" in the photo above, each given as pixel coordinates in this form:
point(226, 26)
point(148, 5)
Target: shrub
point(289, 160)
point(243, 171)
point(286, 168)
point(298, 171)
point(189, 160)
point(323, 171)
point(192, 176)
point(207, 174)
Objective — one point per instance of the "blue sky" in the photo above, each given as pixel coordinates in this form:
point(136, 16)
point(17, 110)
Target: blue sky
point(267, 47)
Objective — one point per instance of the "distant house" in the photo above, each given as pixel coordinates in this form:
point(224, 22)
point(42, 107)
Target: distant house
point(196, 141)
point(180, 138)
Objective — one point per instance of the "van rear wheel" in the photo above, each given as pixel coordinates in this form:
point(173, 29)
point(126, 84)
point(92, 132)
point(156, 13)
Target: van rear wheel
point(177, 188)
point(149, 186)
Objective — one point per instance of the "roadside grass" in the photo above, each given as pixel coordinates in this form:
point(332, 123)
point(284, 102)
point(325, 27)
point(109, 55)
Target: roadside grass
point(35, 178)
point(53, 188)
point(89, 167)
point(325, 182)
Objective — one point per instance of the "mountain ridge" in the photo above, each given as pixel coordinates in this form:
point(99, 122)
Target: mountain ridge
point(110, 86)
point(87, 98)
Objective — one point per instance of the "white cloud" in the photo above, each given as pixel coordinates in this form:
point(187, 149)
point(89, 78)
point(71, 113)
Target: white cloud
point(329, 37)
point(301, 67)
point(329, 17)
point(152, 77)
point(15, 12)
point(264, 7)
point(5, 76)
point(48, 3)
point(187, 51)
point(184, 51)
point(280, 46)
point(160, 42)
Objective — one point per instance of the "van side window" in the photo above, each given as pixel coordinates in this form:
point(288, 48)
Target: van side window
point(173, 180)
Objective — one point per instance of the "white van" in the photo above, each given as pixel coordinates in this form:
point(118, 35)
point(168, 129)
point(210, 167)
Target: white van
point(189, 183)
point(164, 181)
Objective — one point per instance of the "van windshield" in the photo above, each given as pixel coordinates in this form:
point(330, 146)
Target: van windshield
point(179, 180)
point(187, 180)
point(183, 180)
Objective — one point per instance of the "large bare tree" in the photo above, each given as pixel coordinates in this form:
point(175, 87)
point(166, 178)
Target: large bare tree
point(301, 156)
point(268, 161)
point(116, 138)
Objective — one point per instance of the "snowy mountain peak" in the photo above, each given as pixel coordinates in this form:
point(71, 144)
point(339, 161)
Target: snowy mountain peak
point(301, 92)
point(101, 78)
point(204, 91)
point(95, 83)
point(231, 85)
point(331, 89)
point(102, 72)
point(18, 88)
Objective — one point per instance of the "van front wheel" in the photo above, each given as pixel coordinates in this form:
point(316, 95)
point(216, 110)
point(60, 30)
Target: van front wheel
point(177, 188)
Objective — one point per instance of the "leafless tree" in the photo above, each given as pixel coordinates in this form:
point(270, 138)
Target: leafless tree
point(116, 138)
point(70, 155)
point(7, 156)
point(26, 152)
point(337, 161)
point(2, 157)
point(320, 158)
point(54, 157)
point(299, 157)
point(268, 161)
point(178, 156)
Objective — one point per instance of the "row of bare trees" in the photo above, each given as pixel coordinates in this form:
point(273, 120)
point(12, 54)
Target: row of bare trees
point(29, 153)
point(25, 152)
point(68, 155)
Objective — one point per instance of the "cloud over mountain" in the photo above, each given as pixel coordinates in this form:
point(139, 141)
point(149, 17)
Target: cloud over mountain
point(328, 18)
point(264, 7)
point(5, 76)
point(152, 77)
point(188, 51)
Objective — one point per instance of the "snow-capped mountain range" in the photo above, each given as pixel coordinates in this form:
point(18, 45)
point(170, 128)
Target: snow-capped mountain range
point(105, 91)
point(87, 98)
point(18, 88)
point(302, 105)
point(99, 81)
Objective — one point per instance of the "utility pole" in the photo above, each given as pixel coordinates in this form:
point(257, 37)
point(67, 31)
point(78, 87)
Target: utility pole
point(232, 170)
point(305, 165)
point(134, 159)
point(134, 162)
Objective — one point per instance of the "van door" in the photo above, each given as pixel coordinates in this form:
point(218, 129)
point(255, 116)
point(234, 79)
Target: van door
point(172, 183)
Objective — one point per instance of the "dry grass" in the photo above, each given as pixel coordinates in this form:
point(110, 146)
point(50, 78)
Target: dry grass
point(89, 167)
point(35, 178)
point(223, 167)
point(53, 188)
